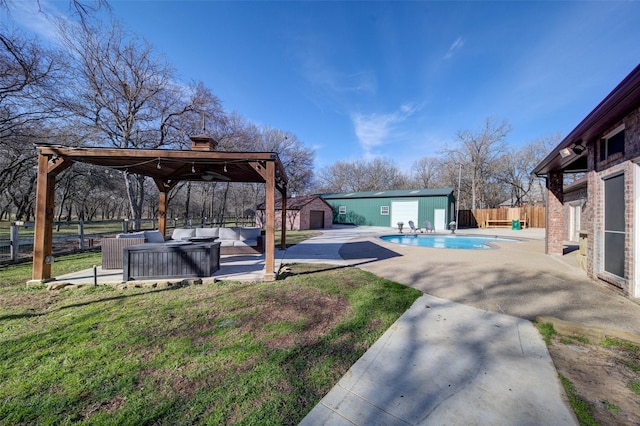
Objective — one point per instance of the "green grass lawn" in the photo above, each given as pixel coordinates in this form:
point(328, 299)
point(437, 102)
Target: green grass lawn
point(242, 353)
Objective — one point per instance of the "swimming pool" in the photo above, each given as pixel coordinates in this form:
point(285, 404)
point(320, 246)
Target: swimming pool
point(446, 241)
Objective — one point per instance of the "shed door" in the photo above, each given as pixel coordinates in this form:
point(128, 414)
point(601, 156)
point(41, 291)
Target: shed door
point(316, 219)
point(614, 225)
point(404, 211)
point(439, 219)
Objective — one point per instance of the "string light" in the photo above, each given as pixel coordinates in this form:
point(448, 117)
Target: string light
point(158, 166)
point(193, 167)
point(225, 167)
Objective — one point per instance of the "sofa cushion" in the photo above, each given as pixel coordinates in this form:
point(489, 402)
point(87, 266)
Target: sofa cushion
point(250, 242)
point(229, 234)
point(183, 234)
point(227, 243)
point(139, 234)
point(154, 236)
point(250, 233)
point(207, 232)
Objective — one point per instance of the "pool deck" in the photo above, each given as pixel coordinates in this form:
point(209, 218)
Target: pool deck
point(466, 352)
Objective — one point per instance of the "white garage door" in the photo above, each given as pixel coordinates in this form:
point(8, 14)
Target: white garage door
point(404, 211)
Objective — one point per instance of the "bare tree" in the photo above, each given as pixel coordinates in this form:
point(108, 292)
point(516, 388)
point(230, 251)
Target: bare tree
point(32, 81)
point(517, 167)
point(342, 176)
point(296, 158)
point(382, 173)
point(236, 133)
point(30, 77)
point(82, 10)
point(197, 111)
point(375, 175)
point(479, 155)
point(126, 94)
point(427, 172)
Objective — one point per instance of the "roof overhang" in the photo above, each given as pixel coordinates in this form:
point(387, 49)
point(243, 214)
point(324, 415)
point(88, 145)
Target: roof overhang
point(615, 106)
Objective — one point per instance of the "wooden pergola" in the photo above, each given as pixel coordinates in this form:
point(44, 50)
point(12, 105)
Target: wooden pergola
point(166, 168)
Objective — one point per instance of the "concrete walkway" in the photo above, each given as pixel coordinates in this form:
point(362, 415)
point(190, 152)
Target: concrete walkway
point(443, 363)
point(465, 353)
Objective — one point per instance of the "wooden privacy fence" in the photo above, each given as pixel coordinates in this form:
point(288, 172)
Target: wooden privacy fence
point(531, 217)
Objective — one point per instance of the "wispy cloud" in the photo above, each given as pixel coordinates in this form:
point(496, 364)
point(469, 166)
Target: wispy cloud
point(323, 70)
point(35, 17)
point(454, 48)
point(375, 130)
point(319, 73)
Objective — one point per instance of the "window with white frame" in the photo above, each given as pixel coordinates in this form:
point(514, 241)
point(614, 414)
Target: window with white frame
point(384, 210)
point(342, 210)
point(612, 143)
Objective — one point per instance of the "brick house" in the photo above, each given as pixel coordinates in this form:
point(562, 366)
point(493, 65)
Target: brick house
point(602, 208)
point(303, 213)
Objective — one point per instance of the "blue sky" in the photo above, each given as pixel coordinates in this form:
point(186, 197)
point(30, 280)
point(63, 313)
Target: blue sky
point(394, 79)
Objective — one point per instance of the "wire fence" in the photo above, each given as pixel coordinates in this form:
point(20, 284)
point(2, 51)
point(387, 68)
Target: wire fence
point(16, 238)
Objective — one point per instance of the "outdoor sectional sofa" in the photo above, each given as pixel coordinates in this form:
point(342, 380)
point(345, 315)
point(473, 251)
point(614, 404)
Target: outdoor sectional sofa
point(236, 240)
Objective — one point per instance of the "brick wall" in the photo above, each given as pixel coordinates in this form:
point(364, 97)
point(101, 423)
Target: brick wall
point(299, 219)
point(573, 199)
point(601, 170)
point(589, 215)
point(304, 220)
point(555, 213)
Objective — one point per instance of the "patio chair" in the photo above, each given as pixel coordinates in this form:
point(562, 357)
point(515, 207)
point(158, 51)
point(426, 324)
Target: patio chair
point(112, 250)
point(428, 227)
point(413, 227)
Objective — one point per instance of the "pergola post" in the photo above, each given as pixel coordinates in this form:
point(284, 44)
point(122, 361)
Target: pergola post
point(43, 232)
point(162, 212)
point(163, 200)
point(270, 219)
point(45, 203)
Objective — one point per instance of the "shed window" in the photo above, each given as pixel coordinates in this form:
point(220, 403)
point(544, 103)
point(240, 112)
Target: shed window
point(384, 210)
point(342, 209)
point(612, 144)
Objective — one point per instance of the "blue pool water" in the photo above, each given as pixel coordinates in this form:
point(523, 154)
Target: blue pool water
point(446, 241)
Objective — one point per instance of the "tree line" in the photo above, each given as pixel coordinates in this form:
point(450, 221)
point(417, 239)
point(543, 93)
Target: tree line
point(101, 85)
point(479, 164)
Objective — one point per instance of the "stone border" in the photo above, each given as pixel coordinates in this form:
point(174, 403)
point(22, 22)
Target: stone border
point(62, 285)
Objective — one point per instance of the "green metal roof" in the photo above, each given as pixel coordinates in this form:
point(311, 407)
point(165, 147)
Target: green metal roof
point(397, 193)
